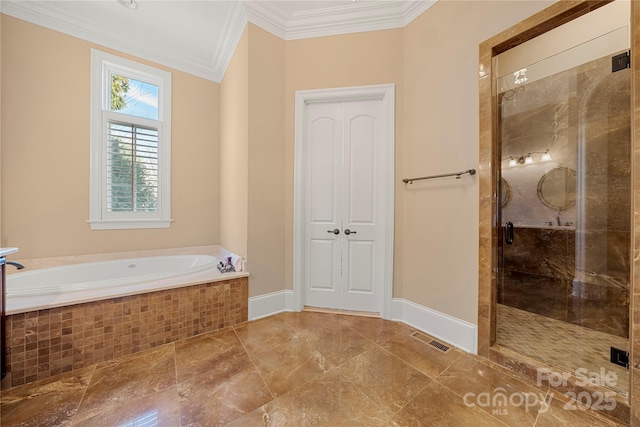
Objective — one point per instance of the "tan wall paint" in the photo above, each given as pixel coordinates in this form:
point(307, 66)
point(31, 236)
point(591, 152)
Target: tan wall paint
point(266, 156)
point(434, 70)
point(45, 143)
point(340, 61)
point(234, 146)
point(440, 235)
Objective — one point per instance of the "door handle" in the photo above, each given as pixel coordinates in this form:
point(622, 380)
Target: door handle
point(335, 231)
point(347, 232)
point(508, 233)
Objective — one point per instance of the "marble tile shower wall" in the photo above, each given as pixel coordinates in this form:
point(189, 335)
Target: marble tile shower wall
point(48, 342)
point(582, 114)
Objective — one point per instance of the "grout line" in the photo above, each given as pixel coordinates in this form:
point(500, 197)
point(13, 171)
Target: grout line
point(93, 371)
point(253, 364)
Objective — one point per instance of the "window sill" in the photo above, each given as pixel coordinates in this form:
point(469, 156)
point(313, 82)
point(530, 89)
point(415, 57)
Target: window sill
point(129, 224)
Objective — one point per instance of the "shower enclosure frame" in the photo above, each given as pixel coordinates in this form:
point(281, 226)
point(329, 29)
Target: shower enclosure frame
point(628, 407)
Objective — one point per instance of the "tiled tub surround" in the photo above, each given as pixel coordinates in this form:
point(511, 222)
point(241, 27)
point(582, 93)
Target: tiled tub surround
point(52, 341)
point(52, 338)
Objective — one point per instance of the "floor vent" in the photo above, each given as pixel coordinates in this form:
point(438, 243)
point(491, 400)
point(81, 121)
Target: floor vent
point(443, 348)
point(428, 340)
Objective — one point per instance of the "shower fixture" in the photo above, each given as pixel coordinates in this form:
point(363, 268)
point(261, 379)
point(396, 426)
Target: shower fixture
point(520, 76)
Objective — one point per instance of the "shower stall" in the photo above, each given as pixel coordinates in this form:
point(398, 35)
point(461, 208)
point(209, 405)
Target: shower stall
point(564, 182)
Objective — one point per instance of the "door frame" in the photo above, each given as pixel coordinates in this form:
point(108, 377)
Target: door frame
point(385, 93)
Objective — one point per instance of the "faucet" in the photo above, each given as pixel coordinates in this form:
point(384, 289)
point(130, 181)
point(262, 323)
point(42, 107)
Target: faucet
point(558, 219)
point(15, 264)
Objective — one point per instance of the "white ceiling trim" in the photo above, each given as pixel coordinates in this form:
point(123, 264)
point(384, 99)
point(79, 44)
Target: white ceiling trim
point(355, 18)
point(38, 14)
point(269, 18)
point(358, 17)
point(414, 9)
point(231, 35)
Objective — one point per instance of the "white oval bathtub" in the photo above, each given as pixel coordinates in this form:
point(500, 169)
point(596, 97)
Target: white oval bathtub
point(72, 284)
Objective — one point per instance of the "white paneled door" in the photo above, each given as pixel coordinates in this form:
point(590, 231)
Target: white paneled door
point(344, 205)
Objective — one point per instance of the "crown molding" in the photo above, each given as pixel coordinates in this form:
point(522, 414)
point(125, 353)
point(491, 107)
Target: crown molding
point(353, 18)
point(39, 14)
point(269, 17)
point(231, 34)
point(414, 9)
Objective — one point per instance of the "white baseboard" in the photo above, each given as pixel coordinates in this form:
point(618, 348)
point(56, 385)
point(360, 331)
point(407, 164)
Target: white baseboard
point(268, 304)
point(461, 334)
point(439, 325)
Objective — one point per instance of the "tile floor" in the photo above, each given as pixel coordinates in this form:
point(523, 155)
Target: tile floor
point(560, 344)
point(293, 369)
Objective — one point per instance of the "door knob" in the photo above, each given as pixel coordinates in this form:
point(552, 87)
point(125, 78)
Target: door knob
point(347, 232)
point(335, 231)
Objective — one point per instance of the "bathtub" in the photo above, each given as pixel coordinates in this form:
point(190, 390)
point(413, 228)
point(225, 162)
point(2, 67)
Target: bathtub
point(45, 288)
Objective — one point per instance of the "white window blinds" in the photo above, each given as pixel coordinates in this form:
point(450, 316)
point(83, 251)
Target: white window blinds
point(132, 168)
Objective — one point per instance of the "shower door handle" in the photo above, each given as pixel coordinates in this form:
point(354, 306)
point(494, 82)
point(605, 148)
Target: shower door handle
point(508, 233)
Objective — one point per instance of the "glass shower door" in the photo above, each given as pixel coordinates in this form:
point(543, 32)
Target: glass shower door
point(563, 283)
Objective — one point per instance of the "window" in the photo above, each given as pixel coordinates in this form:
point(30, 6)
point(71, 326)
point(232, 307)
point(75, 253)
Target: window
point(130, 144)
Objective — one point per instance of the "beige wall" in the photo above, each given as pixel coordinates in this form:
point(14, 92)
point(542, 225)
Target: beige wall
point(440, 223)
point(432, 64)
point(234, 146)
point(252, 158)
point(266, 213)
point(45, 144)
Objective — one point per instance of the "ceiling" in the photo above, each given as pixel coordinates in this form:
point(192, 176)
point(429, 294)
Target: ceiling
point(200, 36)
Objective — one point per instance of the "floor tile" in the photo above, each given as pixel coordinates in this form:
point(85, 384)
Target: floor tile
point(329, 400)
point(340, 344)
point(419, 354)
point(290, 364)
point(206, 401)
point(158, 409)
point(263, 334)
point(560, 413)
point(493, 390)
point(117, 382)
point(50, 402)
point(376, 329)
point(386, 380)
point(560, 344)
point(436, 406)
point(329, 332)
point(294, 369)
point(312, 321)
point(220, 352)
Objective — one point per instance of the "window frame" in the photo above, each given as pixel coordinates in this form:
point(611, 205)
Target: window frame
point(103, 65)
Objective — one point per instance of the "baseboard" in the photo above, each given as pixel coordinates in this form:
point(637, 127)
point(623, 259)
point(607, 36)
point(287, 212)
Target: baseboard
point(268, 304)
point(439, 325)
